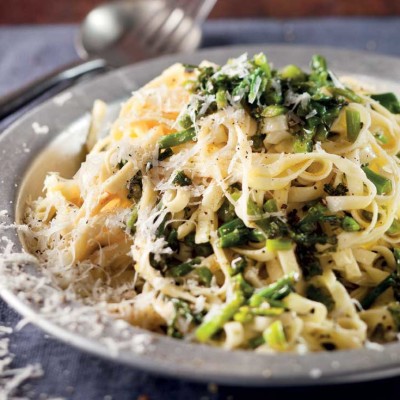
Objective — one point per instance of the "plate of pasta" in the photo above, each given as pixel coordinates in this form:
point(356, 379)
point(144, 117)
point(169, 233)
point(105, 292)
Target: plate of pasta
point(230, 215)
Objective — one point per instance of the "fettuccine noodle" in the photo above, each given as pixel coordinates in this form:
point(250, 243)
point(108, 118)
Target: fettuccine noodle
point(240, 206)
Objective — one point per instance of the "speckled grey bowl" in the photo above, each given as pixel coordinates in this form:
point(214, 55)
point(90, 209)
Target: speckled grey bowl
point(50, 138)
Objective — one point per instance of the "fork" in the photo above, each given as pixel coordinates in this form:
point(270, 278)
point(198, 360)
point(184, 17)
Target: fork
point(167, 30)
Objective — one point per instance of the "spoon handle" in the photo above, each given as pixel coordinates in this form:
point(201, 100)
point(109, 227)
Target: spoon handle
point(20, 97)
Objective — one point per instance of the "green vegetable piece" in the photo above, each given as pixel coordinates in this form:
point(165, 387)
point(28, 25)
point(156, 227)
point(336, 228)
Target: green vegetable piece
point(184, 268)
point(256, 235)
point(340, 190)
point(353, 123)
point(255, 342)
point(321, 295)
point(273, 290)
point(204, 274)
point(275, 336)
point(172, 240)
point(349, 224)
point(181, 179)
point(238, 265)
point(186, 121)
point(121, 164)
point(260, 60)
point(381, 138)
point(176, 139)
point(130, 224)
point(221, 99)
point(243, 285)
point(394, 309)
point(292, 72)
point(246, 313)
point(279, 244)
point(308, 262)
point(256, 87)
point(396, 253)
point(301, 145)
point(163, 154)
point(373, 294)
point(270, 206)
point(135, 187)
point(319, 70)
point(394, 228)
point(383, 185)
point(201, 249)
point(226, 212)
point(235, 238)
point(231, 226)
point(253, 209)
point(258, 141)
point(211, 326)
point(318, 63)
point(190, 67)
point(273, 111)
point(233, 233)
point(347, 93)
point(389, 101)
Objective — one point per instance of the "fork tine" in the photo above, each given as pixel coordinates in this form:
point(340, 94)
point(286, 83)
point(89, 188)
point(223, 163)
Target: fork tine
point(158, 21)
point(172, 40)
point(194, 16)
point(167, 30)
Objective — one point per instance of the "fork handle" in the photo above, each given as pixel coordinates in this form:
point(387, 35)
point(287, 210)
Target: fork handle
point(20, 97)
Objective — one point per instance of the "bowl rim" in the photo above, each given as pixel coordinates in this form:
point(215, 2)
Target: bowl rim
point(168, 356)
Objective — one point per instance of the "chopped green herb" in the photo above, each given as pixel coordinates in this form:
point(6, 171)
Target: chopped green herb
point(321, 295)
point(163, 154)
point(340, 190)
point(181, 179)
point(135, 186)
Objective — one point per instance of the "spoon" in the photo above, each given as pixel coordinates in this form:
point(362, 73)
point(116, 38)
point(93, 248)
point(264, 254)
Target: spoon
point(118, 33)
